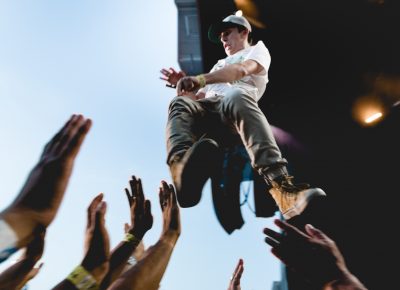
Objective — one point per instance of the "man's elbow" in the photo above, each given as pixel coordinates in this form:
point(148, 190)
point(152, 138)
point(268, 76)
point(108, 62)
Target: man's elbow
point(242, 71)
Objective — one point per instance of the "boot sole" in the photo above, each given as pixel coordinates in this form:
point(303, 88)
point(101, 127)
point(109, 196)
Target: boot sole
point(201, 163)
point(301, 204)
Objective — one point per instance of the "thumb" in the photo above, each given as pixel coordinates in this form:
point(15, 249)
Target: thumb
point(100, 213)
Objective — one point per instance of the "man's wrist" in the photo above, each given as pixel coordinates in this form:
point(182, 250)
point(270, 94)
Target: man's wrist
point(202, 80)
point(132, 239)
point(81, 278)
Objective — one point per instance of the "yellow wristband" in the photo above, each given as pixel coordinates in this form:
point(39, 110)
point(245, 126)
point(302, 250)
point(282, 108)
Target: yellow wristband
point(129, 238)
point(202, 80)
point(82, 279)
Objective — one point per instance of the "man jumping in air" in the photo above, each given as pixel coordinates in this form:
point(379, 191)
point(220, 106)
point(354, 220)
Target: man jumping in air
point(212, 109)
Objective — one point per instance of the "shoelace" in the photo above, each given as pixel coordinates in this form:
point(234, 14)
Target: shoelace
point(288, 186)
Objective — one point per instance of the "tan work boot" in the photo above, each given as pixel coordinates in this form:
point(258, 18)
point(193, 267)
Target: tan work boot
point(292, 199)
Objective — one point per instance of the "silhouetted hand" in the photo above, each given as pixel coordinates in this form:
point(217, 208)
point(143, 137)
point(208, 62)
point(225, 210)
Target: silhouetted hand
point(310, 253)
point(140, 208)
point(41, 196)
point(170, 210)
point(97, 244)
point(171, 76)
point(234, 284)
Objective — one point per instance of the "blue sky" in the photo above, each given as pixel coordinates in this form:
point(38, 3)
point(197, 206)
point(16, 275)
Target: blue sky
point(102, 59)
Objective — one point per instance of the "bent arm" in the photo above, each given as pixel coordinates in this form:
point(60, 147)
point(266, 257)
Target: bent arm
point(148, 272)
point(234, 72)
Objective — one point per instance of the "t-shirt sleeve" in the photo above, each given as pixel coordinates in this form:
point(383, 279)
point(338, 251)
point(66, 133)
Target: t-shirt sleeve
point(260, 54)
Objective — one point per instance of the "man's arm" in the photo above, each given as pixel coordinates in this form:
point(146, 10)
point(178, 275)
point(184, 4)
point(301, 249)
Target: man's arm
point(148, 272)
point(38, 202)
point(229, 73)
point(141, 222)
point(313, 255)
point(95, 263)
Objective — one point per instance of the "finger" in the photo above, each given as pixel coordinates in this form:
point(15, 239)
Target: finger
point(315, 233)
point(72, 148)
point(164, 79)
point(69, 131)
point(140, 197)
point(273, 243)
point(173, 195)
point(171, 69)
point(166, 192)
point(271, 233)
point(161, 197)
point(277, 253)
point(134, 189)
point(147, 210)
point(147, 207)
point(56, 138)
point(92, 208)
point(100, 214)
point(289, 229)
point(126, 228)
point(182, 73)
point(237, 267)
point(238, 273)
point(164, 71)
point(128, 195)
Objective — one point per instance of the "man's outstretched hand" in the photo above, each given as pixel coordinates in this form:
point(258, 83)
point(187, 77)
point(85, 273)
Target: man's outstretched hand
point(39, 200)
point(141, 217)
point(170, 210)
point(234, 284)
point(171, 76)
point(97, 242)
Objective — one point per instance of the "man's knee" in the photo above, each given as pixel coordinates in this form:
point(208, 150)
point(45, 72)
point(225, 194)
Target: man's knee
point(235, 101)
point(181, 102)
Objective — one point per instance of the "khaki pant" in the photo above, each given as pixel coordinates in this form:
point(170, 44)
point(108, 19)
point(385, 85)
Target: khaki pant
point(228, 120)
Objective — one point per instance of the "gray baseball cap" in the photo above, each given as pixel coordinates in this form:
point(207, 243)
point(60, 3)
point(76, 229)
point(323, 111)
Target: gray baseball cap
point(215, 29)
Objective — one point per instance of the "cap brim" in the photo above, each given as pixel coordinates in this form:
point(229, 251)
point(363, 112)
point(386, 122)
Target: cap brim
point(215, 30)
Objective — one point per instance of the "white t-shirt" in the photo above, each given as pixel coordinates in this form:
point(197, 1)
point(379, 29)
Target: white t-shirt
point(252, 85)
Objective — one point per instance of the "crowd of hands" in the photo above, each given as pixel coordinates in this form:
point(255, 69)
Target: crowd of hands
point(306, 251)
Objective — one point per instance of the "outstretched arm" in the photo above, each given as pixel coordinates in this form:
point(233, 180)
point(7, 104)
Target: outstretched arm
point(312, 254)
point(141, 222)
point(38, 202)
point(148, 272)
point(94, 265)
point(227, 74)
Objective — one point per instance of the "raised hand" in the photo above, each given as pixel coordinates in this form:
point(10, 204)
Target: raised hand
point(140, 208)
point(171, 76)
point(170, 210)
point(97, 243)
point(311, 253)
point(234, 283)
point(41, 196)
